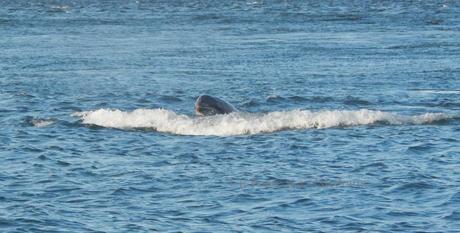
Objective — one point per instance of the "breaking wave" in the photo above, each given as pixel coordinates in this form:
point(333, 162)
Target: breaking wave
point(240, 123)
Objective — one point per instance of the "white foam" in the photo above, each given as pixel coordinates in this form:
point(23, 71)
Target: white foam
point(239, 123)
point(40, 123)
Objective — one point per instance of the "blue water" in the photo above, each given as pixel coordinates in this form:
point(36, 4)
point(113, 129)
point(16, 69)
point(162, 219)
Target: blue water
point(349, 116)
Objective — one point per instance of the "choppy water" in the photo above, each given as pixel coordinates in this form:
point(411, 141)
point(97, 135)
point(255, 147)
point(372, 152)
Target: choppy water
point(350, 116)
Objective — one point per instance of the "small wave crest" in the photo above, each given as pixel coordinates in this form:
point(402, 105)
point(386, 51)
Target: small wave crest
point(239, 123)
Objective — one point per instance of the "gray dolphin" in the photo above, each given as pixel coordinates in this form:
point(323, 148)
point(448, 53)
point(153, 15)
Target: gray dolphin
point(207, 105)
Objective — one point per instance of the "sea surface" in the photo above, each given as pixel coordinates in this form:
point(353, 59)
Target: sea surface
point(349, 116)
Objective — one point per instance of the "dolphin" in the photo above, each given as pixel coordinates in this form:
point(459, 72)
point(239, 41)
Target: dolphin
point(207, 105)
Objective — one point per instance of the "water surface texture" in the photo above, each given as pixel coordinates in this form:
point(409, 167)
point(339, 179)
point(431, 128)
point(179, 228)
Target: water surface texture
point(349, 116)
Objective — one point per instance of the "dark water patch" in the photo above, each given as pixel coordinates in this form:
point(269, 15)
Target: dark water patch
point(148, 189)
point(38, 165)
point(298, 147)
point(70, 124)
point(286, 29)
point(206, 17)
point(120, 192)
point(4, 222)
point(298, 99)
point(6, 110)
point(205, 205)
point(46, 181)
point(446, 121)
point(321, 99)
point(226, 214)
point(161, 163)
point(448, 104)
point(96, 127)
point(246, 19)
point(169, 99)
point(29, 221)
point(85, 172)
point(78, 200)
point(402, 213)
point(343, 17)
point(455, 198)
point(302, 201)
point(246, 198)
point(32, 149)
point(55, 148)
point(67, 106)
point(61, 189)
point(412, 187)
point(143, 101)
point(299, 202)
point(436, 91)
point(453, 216)
point(421, 148)
point(330, 183)
point(371, 166)
point(102, 105)
point(272, 182)
point(6, 22)
point(80, 21)
point(434, 22)
point(355, 101)
point(275, 222)
point(63, 163)
point(250, 103)
point(4, 177)
point(313, 17)
point(431, 45)
point(356, 227)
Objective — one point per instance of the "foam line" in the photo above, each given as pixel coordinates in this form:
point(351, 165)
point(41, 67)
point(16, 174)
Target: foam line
point(240, 123)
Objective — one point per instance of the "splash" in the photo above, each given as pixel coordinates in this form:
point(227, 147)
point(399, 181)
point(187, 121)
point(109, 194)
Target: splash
point(40, 123)
point(239, 123)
